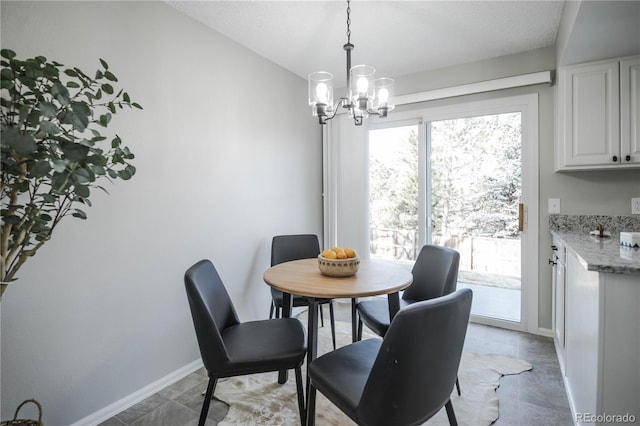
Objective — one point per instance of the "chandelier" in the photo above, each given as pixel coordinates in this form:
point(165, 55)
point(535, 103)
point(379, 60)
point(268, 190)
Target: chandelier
point(365, 95)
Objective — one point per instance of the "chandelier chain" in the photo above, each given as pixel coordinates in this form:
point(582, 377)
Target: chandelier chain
point(348, 21)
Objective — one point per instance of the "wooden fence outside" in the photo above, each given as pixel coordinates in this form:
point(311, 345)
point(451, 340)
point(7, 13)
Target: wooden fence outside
point(482, 254)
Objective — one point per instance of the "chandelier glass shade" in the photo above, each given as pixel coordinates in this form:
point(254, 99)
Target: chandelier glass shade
point(365, 94)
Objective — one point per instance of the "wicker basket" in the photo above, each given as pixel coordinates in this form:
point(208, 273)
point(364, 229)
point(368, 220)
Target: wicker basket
point(25, 422)
point(338, 267)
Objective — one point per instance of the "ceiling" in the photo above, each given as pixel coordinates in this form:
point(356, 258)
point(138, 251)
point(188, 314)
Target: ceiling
point(396, 37)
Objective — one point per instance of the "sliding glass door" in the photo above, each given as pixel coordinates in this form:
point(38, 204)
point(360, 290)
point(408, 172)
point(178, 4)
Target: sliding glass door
point(456, 177)
point(475, 190)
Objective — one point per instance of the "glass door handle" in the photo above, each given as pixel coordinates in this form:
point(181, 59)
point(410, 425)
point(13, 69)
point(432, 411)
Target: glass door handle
point(520, 217)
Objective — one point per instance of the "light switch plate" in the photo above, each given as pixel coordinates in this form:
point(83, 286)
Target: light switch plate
point(554, 205)
point(635, 206)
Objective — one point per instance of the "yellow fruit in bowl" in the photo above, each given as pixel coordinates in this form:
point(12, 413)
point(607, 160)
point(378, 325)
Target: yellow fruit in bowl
point(329, 254)
point(350, 252)
point(341, 254)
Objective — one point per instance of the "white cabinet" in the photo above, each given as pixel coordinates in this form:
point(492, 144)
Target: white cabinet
point(558, 288)
point(602, 343)
point(630, 109)
point(597, 115)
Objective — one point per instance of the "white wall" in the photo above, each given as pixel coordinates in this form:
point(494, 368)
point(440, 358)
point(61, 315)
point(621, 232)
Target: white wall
point(228, 155)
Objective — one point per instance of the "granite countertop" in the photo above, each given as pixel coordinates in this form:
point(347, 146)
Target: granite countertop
point(602, 254)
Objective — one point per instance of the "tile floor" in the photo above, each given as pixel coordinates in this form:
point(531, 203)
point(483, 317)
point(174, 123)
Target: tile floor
point(532, 398)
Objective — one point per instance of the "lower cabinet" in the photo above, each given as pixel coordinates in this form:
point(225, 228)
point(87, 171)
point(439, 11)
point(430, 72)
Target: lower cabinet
point(559, 300)
point(602, 344)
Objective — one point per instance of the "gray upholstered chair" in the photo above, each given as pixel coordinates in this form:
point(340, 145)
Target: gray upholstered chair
point(435, 273)
point(231, 348)
point(285, 248)
point(403, 379)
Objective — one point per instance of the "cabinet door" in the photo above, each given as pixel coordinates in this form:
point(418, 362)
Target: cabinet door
point(630, 110)
point(582, 335)
point(559, 309)
point(591, 109)
point(559, 303)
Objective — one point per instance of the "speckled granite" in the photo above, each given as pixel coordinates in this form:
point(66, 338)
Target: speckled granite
point(583, 224)
point(599, 254)
point(602, 254)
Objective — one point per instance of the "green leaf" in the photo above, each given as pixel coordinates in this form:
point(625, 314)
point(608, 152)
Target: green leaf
point(73, 85)
point(59, 183)
point(98, 160)
point(34, 118)
point(125, 97)
point(97, 170)
point(49, 128)
point(6, 84)
point(59, 166)
point(79, 214)
point(81, 107)
point(12, 220)
point(99, 75)
point(81, 191)
point(7, 74)
point(7, 53)
point(22, 144)
point(109, 76)
point(74, 151)
point(70, 73)
point(105, 119)
point(45, 217)
point(81, 176)
point(107, 88)
point(60, 93)
point(48, 109)
point(80, 115)
point(115, 142)
point(48, 198)
point(40, 169)
point(136, 105)
point(104, 64)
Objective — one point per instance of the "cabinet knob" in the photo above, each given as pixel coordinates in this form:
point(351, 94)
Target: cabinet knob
point(615, 158)
point(627, 158)
point(551, 262)
point(554, 247)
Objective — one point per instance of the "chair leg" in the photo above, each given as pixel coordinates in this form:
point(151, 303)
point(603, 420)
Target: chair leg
point(311, 406)
point(271, 310)
point(300, 390)
point(277, 312)
point(452, 416)
point(211, 387)
point(333, 324)
point(359, 329)
point(321, 315)
point(458, 387)
point(354, 320)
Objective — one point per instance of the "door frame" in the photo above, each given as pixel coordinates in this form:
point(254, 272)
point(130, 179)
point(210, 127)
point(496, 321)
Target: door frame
point(527, 105)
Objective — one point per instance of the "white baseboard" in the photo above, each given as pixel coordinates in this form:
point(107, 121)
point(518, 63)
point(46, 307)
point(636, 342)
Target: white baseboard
point(139, 395)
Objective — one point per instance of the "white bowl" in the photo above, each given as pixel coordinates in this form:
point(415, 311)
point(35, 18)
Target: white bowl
point(338, 267)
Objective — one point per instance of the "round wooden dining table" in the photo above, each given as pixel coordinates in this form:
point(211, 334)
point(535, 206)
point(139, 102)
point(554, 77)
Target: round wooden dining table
point(303, 278)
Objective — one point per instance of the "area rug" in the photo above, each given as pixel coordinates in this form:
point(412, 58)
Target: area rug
point(259, 400)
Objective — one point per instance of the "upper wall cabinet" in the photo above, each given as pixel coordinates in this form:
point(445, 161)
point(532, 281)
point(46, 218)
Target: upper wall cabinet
point(598, 122)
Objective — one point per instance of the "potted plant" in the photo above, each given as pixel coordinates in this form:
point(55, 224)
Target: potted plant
point(53, 151)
